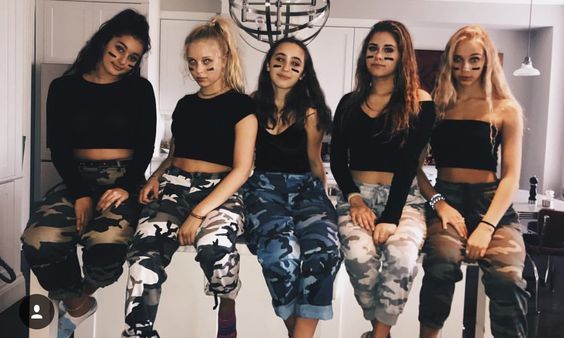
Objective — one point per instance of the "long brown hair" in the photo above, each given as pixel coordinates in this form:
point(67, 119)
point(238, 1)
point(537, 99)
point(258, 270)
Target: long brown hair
point(404, 102)
point(220, 29)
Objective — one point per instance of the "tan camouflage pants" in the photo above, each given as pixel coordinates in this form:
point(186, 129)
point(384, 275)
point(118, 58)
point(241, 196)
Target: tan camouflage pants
point(382, 275)
point(502, 265)
point(50, 239)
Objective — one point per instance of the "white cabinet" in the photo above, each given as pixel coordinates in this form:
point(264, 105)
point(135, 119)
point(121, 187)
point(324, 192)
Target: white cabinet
point(69, 24)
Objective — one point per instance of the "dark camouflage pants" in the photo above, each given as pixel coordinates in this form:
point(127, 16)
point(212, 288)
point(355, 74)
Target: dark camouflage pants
point(382, 275)
point(292, 229)
point(50, 239)
point(502, 265)
point(155, 241)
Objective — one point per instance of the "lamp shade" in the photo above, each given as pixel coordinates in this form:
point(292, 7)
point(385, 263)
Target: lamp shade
point(526, 69)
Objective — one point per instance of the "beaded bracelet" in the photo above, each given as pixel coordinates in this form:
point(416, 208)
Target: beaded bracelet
point(197, 216)
point(434, 199)
point(488, 223)
point(351, 195)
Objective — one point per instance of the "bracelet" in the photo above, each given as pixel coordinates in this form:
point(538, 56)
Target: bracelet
point(434, 199)
point(351, 195)
point(488, 223)
point(197, 216)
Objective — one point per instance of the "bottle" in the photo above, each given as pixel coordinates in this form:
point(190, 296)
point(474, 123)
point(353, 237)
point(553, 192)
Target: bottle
point(548, 199)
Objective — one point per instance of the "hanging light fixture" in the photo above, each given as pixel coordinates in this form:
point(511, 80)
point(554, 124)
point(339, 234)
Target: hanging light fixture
point(527, 68)
point(270, 20)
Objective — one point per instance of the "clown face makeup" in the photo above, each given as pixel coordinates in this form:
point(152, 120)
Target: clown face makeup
point(382, 54)
point(121, 54)
point(286, 66)
point(206, 63)
point(468, 62)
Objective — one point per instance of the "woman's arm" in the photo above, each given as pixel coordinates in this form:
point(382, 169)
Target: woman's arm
point(245, 137)
point(314, 138)
point(150, 190)
point(511, 145)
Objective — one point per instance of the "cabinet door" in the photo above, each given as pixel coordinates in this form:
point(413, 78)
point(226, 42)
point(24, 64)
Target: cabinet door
point(175, 80)
point(69, 24)
point(332, 56)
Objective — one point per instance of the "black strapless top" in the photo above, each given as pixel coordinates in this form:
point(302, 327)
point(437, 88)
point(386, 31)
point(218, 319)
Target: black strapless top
point(471, 144)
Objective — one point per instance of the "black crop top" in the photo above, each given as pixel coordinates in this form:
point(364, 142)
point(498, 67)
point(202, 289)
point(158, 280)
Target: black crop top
point(86, 115)
point(204, 129)
point(363, 144)
point(465, 144)
point(285, 152)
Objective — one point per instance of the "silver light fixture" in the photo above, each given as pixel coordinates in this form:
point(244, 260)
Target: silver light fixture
point(270, 20)
point(527, 68)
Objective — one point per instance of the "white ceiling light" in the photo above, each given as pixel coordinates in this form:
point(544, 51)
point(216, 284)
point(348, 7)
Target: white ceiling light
point(527, 68)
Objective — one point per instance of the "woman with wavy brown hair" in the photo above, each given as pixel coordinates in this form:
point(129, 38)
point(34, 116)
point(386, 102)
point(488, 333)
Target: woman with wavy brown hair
point(379, 132)
point(470, 215)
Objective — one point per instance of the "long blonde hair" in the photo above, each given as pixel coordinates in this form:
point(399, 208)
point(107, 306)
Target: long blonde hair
point(494, 84)
point(221, 30)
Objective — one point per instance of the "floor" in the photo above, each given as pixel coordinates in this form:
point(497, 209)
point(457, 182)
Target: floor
point(548, 324)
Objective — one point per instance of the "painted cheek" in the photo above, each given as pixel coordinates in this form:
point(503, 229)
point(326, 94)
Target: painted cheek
point(388, 58)
point(296, 70)
point(112, 54)
point(276, 65)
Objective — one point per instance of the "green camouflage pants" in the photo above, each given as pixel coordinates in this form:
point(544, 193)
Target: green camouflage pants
point(502, 265)
point(382, 275)
point(156, 240)
point(51, 238)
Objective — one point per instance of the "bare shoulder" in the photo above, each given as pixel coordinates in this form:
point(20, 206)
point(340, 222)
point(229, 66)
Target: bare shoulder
point(507, 110)
point(424, 95)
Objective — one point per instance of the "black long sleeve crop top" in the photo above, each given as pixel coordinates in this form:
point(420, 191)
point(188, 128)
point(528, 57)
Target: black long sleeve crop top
point(86, 115)
point(204, 129)
point(362, 143)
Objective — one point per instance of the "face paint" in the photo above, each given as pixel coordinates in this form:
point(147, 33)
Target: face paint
point(276, 66)
point(388, 58)
point(296, 70)
point(112, 54)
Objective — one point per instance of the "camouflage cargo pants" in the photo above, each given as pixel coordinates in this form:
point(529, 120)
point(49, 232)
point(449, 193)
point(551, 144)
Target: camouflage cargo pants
point(502, 265)
point(50, 239)
point(382, 275)
point(155, 241)
point(292, 229)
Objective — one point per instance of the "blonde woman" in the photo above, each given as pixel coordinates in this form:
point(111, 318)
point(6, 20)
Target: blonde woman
point(192, 198)
point(470, 215)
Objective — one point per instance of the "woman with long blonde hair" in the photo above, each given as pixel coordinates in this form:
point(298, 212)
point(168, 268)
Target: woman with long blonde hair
point(193, 198)
point(379, 132)
point(470, 215)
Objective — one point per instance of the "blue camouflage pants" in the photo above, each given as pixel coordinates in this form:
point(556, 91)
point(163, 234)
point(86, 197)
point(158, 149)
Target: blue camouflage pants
point(155, 241)
point(502, 265)
point(382, 275)
point(50, 238)
point(293, 231)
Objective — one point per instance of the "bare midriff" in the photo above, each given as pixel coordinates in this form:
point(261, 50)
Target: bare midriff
point(198, 166)
point(464, 175)
point(373, 177)
point(103, 154)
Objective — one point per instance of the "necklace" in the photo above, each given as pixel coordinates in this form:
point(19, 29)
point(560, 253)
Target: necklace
point(202, 94)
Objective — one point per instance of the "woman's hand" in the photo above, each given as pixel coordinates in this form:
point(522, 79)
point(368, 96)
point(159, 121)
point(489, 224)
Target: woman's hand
point(449, 215)
point(479, 241)
point(83, 211)
point(112, 197)
point(382, 232)
point(361, 214)
point(150, 191)
point(188, 230)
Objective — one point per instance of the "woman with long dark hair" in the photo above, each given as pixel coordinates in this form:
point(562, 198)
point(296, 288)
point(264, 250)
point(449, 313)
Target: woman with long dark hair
point(292, 226)
point(379, 132)
point(470, 215)
point(101, 120)
point(193, 198)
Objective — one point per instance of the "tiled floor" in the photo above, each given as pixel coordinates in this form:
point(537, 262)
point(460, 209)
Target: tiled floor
point(548, 324)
